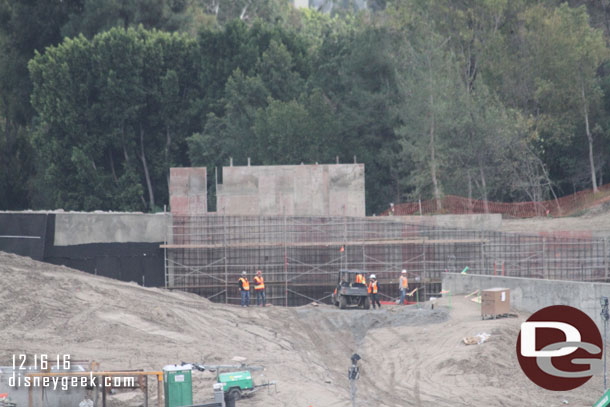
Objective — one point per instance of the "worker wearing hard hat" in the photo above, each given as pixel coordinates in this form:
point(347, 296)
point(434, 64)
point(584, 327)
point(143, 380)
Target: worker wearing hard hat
point(403, 286)
point(244, 287)
point(259, 289)
point(374, 290)
point(360, 279)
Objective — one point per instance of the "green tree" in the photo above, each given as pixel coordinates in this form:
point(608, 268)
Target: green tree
point(25, 26)
point(121, 107)
point(357, 76)
point(429, 112)
point(568, 86)
point(96, 16)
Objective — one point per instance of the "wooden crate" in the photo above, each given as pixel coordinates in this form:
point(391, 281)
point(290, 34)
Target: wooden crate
point(494, 302)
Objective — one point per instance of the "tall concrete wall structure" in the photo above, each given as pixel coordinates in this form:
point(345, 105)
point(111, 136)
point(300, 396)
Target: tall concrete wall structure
point(292, 190)
point(530, 294)
point(188, 191)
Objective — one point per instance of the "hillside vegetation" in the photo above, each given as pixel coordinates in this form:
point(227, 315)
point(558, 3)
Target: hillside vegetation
point(494, 100)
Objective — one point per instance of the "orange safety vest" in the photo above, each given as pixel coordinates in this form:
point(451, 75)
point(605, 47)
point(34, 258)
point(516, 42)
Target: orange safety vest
point(373, 287)
point(259, 283)
point(245, 284)
point(360, 279)
point(405, 282)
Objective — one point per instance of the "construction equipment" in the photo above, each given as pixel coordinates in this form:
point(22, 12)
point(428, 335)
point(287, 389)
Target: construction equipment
point(349, 293)
point(5, 401)
point(237, 383)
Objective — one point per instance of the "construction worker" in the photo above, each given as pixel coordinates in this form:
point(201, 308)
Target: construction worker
point(244, 287)
point(259, 288)
point(360, 279)
point(403, 286)
point(373, 290)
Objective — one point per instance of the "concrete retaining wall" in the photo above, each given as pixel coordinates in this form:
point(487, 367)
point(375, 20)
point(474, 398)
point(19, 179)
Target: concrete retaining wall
point(492, 221)
point(124, 246)
point(188, 193)
point(85, 228)
point(24, 233)
point(530, 295)
point(292, 190)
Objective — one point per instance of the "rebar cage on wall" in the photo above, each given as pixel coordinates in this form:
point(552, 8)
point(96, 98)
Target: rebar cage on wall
point(300, 256)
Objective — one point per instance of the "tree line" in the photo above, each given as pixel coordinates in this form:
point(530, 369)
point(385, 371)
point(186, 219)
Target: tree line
point(494, 100)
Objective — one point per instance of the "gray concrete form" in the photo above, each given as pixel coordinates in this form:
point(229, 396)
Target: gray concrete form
point(293, 190)
point(85, 228)
point(529, 294)
point(492, 221)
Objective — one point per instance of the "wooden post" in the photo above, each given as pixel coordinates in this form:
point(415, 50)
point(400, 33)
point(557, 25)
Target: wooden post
point(145, 389)
point(103, 391)
point(97, 392)
point(159, 384)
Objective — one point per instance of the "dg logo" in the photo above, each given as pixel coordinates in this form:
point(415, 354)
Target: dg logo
point(560, 348)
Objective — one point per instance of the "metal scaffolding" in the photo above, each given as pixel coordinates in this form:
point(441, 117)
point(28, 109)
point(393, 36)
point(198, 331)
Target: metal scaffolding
point(300, 256)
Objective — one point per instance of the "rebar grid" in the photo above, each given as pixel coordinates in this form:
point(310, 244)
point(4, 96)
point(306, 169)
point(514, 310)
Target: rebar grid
point(300, 256)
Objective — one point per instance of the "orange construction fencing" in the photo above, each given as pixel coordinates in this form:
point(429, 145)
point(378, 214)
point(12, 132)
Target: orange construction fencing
point(451, 204)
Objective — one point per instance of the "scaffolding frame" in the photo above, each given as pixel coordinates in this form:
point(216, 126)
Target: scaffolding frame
point(300, 256)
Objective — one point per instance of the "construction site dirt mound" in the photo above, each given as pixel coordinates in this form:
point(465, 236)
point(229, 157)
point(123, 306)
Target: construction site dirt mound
point(410, 356)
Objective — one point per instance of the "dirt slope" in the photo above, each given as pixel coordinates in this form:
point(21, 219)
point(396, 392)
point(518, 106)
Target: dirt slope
point(411, 357)
point(595, 222)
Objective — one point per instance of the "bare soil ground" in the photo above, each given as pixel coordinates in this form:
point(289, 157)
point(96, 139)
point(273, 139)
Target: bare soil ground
point(410, 356)
point(595, 220)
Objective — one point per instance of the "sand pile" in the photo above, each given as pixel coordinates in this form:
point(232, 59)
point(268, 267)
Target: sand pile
point(410, 356)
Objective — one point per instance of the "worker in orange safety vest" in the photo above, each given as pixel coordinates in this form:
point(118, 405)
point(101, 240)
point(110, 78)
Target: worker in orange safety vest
point(373, 291)
point(360, 279)
point(259, 289)
point(244, 287)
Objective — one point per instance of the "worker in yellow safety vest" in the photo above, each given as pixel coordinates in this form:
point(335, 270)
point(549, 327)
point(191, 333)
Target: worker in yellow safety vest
point(403, 286)
point(373, 291)
point(244, 287)
point(259, 289)
point(360, 279)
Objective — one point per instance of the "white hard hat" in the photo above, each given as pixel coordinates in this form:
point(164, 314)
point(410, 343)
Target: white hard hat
point(404, 271)
point(243, 273)
point(373, 276)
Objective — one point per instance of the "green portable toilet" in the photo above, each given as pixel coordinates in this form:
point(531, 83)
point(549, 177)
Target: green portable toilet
point(178, 385)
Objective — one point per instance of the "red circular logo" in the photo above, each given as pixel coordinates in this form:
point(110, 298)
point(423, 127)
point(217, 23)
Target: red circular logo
point(559, 348)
